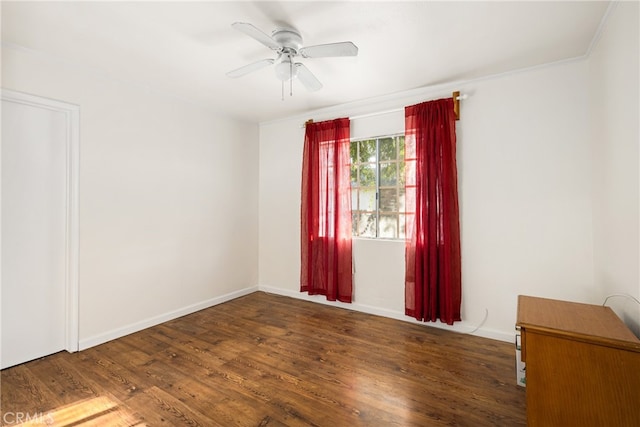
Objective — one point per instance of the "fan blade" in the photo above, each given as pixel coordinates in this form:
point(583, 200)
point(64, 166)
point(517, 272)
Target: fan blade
point(250, 68)
point(307, 78)
point(257, 34)
point(331, 49)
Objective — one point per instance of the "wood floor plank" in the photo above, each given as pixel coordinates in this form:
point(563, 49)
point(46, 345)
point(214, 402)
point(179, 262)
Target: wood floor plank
point(62, 379)
point(269, 360)
point(22, 389)
point(158, 407)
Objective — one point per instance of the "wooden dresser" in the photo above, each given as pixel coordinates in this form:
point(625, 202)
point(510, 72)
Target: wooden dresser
point(582, 365)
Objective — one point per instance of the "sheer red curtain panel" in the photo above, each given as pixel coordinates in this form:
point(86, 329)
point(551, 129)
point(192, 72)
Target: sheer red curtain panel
point(326, 252)
point(432, 247)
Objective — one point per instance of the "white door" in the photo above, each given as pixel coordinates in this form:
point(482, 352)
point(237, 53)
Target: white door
point(37, 265)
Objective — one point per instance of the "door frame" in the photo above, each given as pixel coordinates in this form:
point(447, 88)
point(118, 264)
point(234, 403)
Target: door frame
point(72, 157)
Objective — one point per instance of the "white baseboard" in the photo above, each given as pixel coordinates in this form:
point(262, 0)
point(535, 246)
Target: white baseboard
point(156, 320)
point(392, 314)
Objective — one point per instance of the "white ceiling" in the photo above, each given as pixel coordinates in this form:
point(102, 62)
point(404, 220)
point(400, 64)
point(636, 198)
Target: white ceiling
point(185, 48)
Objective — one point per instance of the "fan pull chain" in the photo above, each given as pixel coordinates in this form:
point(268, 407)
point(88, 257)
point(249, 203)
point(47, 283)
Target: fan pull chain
point(290, 77)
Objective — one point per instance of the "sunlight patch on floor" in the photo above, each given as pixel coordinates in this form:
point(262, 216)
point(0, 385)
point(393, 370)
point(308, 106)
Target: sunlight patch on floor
point(98, 411)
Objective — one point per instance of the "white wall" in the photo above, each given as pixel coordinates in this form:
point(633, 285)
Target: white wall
point(524, 162)
point(170, 204)
point(613, 80)
point(168, 198)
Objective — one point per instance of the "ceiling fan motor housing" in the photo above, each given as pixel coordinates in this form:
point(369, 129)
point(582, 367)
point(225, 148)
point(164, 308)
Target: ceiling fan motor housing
point(289, 39)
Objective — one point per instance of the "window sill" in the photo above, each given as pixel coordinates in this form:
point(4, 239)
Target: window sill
point(378, 239)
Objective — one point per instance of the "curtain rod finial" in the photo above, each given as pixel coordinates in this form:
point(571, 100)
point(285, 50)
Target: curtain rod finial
point(308, 122)
point(456, 104)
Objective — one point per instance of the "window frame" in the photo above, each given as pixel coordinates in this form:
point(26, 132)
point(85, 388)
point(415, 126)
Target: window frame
point(398, 160)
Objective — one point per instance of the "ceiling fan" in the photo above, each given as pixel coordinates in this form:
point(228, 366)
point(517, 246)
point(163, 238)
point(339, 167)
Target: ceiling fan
point(287, 43)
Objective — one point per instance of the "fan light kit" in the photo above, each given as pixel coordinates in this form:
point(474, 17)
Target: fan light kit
point(287, 43)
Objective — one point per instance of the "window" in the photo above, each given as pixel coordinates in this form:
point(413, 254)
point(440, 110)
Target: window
point(377, 187)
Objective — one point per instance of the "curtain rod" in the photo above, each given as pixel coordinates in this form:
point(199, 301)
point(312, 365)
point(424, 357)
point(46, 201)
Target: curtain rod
point(456, 108)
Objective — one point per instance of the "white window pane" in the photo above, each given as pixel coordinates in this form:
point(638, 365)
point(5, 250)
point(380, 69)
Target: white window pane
point(367, 224)
point(367, 151)
point(388, 149)
point(367, 199)
point(368, 174)
point(354, 224)
point(400, 143)
point(388, 174)
point(388, 226)
point(388, 200)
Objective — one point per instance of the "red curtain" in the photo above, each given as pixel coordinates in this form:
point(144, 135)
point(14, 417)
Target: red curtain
point(432, 251)
point(326, 211)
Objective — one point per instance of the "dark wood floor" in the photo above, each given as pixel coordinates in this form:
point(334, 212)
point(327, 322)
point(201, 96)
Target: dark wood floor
point(267, 360)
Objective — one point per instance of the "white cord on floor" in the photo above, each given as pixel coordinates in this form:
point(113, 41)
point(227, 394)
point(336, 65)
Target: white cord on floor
point(486, 315)
point(621, 295)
